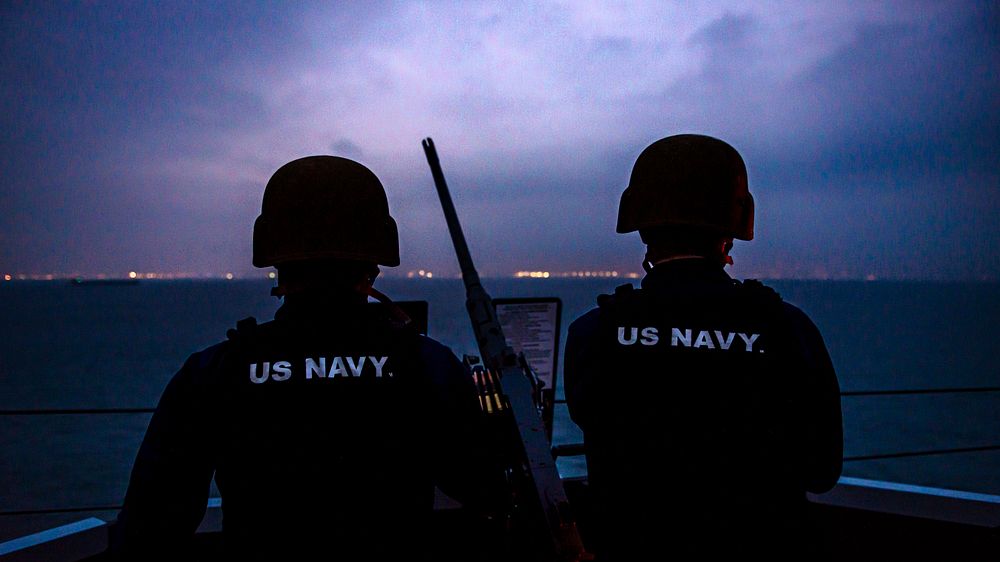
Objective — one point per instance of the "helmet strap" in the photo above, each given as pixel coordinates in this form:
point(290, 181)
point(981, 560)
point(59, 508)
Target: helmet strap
point(399, 317)
point(647, 264)
point(727, 246)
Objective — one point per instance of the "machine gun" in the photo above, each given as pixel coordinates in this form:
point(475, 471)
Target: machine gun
point(541, 505)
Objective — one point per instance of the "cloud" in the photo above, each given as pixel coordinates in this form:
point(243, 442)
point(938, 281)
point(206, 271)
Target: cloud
point(176, 118)
point(908, 101)
point(346, 148)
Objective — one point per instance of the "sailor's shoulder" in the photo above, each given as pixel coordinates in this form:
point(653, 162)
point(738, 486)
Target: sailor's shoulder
point(248, 331)
point(201, 371)
point(212, 359)
point(798, 320)
point(436, 356)
point(622, 294)
point(757, 290)
point(430, 348)
point(438, 364)
point(209, 358)
point(586, 322)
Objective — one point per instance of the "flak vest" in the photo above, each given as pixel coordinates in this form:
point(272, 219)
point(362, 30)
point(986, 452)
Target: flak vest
point(321, 440)
point(694, 421)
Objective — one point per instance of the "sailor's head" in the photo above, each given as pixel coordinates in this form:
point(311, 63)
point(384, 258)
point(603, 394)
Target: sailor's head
point(325, 217)
point(688, 195)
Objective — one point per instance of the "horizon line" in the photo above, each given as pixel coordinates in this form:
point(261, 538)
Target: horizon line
point(540, 276)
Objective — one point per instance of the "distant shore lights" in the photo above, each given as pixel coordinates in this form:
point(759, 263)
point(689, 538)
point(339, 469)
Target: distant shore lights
point(577, 274)
point(591, 274)
point(420, 273)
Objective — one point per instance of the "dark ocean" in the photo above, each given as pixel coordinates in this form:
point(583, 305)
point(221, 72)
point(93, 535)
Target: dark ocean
point(65, 346)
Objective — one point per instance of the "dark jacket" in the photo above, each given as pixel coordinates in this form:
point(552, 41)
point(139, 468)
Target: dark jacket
point(709, 407)
point(326, 431)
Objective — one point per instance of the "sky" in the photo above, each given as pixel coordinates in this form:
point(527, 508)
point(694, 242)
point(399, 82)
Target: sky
point(139, 136)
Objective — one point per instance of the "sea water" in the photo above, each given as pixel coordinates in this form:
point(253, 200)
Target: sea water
point(116, 346)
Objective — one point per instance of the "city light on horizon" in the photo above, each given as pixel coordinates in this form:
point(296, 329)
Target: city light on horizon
point(421, 274)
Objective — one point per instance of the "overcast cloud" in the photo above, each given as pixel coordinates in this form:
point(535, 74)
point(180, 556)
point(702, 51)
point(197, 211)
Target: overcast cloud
point(140, 136)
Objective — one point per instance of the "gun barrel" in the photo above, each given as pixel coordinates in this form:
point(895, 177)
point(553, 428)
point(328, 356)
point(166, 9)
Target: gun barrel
point(504, 374)
point(489, 334)
point(469, 274)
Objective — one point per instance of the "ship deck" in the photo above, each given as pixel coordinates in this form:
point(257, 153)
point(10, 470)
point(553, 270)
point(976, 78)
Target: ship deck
point(859, 520)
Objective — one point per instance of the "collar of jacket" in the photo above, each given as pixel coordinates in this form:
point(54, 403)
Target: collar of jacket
point(307, 306)
point(685, 271)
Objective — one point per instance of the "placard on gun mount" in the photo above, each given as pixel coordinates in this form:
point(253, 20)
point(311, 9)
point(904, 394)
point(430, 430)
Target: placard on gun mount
point(532, 326)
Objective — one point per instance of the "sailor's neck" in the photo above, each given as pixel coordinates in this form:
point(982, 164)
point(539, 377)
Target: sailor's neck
point(328, 298)
point(683, 269)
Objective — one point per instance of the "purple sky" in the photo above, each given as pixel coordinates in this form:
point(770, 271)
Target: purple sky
point(140, 137)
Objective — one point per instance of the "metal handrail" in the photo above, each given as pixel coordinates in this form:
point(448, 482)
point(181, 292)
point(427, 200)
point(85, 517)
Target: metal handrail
point(921, 453)
point(49, 511)
point(891, 392)
point(920, 391)
point(75, 411)
point(578, 449)
point(87, 411)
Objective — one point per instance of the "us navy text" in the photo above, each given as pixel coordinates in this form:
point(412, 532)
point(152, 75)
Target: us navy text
point(706, 339)
point(339, 367)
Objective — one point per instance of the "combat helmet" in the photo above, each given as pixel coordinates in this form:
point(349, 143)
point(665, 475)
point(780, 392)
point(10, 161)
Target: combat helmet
point(688, 180)
point(324, 207)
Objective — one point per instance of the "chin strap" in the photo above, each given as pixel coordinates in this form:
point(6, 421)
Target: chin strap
point(647, 264)
point(727, 246)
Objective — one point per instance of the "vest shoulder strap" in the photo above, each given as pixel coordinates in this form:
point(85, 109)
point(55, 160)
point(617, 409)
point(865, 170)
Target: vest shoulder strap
point(622, 292)
point(245, 330)
point(759, 291)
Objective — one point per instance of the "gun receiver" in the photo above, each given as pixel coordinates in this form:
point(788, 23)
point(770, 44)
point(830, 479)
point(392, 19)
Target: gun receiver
point(557, 538)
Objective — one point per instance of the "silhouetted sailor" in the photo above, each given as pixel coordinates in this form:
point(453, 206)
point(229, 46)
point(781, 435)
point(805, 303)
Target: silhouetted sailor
point(709, 406)
point(325, 429)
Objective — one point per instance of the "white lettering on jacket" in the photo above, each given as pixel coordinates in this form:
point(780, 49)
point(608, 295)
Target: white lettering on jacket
point(686, 337)
point(316, 368)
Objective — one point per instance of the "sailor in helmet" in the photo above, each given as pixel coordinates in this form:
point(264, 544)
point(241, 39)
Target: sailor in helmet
point(325, 429)
point(709, 406)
